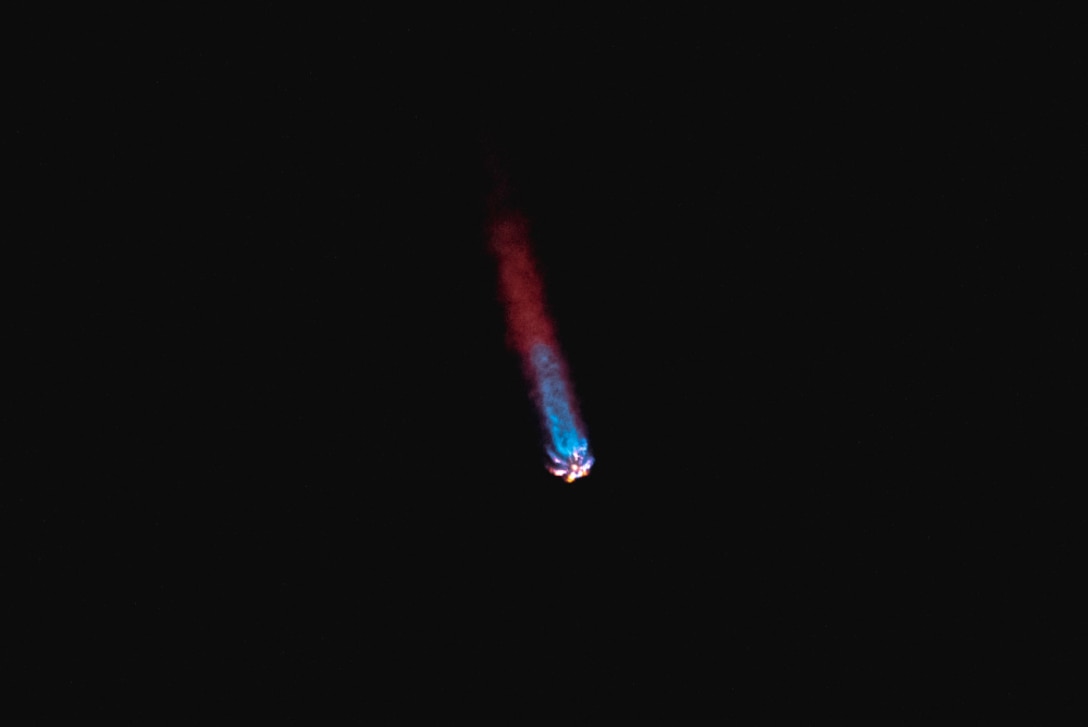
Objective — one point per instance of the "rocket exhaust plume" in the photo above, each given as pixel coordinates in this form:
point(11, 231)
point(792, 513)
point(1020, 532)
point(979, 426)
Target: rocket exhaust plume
point(531, 333)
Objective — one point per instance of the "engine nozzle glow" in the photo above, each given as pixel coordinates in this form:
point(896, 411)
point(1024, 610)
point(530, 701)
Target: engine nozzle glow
point(572, 466)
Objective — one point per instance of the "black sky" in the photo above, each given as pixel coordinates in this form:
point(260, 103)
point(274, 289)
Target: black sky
point(814, 277)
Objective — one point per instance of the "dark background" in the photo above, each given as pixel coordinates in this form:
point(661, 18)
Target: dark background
point(818, 282)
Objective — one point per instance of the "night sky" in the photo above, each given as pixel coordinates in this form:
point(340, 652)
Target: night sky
point(814, 277)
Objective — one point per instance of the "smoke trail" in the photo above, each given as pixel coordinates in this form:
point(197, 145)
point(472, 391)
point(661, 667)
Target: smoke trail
point(531, 333)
